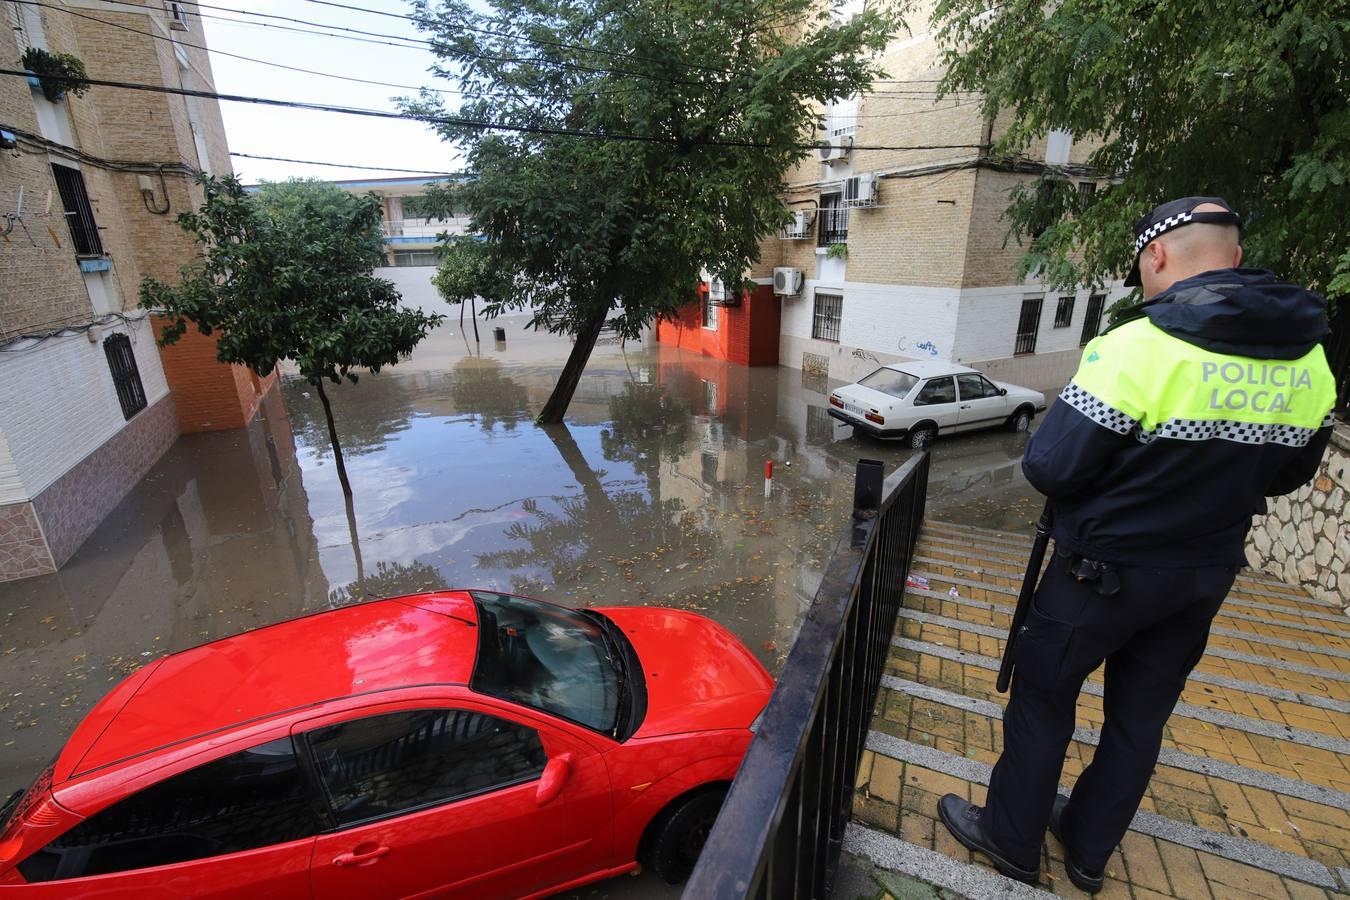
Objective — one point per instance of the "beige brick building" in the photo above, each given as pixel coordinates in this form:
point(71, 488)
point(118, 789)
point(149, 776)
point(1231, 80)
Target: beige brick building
point(926, 272)
point(89, 189)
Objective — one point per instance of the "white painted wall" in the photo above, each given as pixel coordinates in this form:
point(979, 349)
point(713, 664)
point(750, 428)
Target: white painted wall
point(58, 405)
point(918, 322)
point(414, 284)
point(987, 324)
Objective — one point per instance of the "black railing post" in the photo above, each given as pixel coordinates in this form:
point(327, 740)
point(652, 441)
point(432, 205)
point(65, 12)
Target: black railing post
point(780, 831)
point(867, 488)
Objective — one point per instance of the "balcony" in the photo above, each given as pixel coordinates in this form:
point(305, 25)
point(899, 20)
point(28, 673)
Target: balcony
point(420, 231)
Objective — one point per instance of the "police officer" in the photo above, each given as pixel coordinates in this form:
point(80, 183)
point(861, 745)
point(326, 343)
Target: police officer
point(1176, 427)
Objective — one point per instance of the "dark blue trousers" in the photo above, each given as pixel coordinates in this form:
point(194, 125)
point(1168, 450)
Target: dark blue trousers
point(1150, 635)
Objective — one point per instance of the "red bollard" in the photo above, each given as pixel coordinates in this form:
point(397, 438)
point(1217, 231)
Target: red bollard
point(768, 478)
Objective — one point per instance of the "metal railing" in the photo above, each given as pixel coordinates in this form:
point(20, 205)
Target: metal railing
point(780, 831)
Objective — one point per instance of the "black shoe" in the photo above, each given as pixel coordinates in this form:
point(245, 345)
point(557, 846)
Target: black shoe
point(963, 821)
point(1082, 878)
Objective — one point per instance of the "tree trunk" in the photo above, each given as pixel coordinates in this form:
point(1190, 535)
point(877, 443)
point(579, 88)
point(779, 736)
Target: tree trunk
point(461, 317)
point(474, 315)
point(561, 398)
point(356, 544)
point(332, 436)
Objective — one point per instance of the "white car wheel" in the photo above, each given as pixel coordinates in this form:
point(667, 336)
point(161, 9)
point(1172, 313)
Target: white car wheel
point(1020, 421)
point(921, 438)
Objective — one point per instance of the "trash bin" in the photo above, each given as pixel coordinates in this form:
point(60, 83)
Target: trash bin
point(499, 334)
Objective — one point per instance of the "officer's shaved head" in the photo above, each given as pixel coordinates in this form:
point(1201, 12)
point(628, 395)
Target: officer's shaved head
point(1188, 250)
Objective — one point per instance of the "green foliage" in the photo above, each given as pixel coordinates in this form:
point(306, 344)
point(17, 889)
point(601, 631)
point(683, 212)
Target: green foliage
point(1243, 100)
point(575, 227)
point(836, 251)
point(55, 71)
point(466, 271)
point(286, 274)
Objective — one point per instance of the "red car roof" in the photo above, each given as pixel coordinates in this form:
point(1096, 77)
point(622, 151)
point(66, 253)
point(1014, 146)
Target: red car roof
point(420, 639)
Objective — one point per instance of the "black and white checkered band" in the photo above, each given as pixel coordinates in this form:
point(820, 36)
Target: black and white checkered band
point(1097, 410)
point(1158, 228)
point(1229, 430)
point(1113, 419)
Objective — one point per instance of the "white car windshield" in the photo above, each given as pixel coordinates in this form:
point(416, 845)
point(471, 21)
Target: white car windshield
point(889, 381)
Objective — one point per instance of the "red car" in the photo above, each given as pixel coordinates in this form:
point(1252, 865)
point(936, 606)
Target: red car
point(461, 743)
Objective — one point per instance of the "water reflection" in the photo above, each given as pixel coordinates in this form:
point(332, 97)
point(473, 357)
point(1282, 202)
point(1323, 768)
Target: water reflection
point(653, 493)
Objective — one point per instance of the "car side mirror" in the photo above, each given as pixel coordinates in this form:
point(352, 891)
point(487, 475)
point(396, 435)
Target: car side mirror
point(554, 777)
point(1003, 392)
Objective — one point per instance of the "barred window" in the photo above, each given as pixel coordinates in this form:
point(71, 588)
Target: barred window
point(709, 312)
point(79, 212)
point(1092, 322)
point(126, 377)
point(833, 219)
point(1028, 324)
point(1064, 311)
point(828, 311)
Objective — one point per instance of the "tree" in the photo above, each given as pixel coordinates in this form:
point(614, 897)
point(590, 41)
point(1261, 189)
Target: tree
point(1242, 100)
point(464, 274)
point(650, 141)
point(286, 274)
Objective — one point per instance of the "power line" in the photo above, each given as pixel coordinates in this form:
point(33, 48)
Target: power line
point(264, 62)
point(471, 124)
point(311, 162)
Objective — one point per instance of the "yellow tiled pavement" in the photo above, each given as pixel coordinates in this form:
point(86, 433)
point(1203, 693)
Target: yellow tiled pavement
point(900, 797)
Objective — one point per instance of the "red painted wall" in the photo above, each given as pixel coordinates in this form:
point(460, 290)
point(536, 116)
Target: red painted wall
point(209, 395)
point(746, 334)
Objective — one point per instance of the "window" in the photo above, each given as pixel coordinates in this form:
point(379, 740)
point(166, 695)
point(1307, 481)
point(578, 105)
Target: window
point(384, 765)
point(976, 387)
point(1092, 322)
point(833, 218)
point(709, 312)
point(178, 16)
point(1028, 324)
point(889, 381)
point(1064, 311)
point(536, 654)
point(420, 207)
point(26, 22)
point(841, 117)
point(79, 213)
point(1057, 146)
point(251, 799)
point(937, 390)
point(415, 258)
point(126, 377)
point(825, 319)
point(1086, 191)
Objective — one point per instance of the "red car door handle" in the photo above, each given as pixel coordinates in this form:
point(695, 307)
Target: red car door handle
point(361, 856)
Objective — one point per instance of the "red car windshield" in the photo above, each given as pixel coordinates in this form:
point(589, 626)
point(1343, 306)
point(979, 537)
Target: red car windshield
point(565, 662)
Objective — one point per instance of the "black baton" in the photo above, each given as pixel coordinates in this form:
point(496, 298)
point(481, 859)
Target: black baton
point(1029, 581)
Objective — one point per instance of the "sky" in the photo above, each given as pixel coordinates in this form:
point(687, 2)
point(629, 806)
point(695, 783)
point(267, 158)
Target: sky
point(311, 135)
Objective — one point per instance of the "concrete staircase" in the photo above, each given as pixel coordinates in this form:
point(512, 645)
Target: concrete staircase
point(1251, 797)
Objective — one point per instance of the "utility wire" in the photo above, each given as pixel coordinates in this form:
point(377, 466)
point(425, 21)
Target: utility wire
point(470, 124)
point(311, 162)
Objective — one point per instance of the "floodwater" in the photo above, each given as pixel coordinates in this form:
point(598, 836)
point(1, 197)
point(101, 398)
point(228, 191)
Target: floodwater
point(652, 493)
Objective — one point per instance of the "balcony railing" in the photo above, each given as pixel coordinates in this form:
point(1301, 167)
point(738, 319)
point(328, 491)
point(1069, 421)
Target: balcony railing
point(781, 828)
point(421, 231)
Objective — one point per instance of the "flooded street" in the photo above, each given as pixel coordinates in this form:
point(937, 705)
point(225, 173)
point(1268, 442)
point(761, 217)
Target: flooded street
point(653, 493)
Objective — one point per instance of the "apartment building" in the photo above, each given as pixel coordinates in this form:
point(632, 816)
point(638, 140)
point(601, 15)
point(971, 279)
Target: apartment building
point(90, 186)
point(903, 254)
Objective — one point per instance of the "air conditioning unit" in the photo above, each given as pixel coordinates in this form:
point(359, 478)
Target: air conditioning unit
point(787, 282)
point(802, 225)
point(860, 190)
point(835, 150)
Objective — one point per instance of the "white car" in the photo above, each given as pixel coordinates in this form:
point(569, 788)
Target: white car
point(917, 401)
